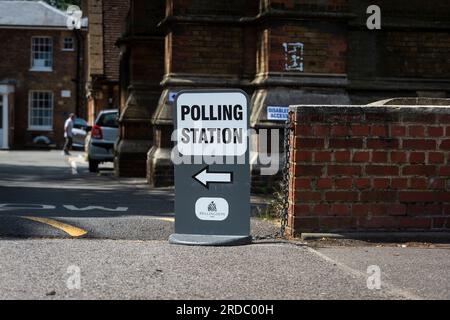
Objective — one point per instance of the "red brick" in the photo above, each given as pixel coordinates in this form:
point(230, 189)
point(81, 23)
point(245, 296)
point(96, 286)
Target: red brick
point(439, 223)
point(379, 157)
point(445, 145)
point(306, 224)
point(419, 118)
point(399, 183)
point(415, 223)
point(360, 209)
point(362, 183)
point(416, 209)
point(416, 131)
point(399, 157)
point(396, 223)
point(326, 183)
point(302, 210)
point(302, 156)
point(435, 131)
point(378, 196)
point(434, 209)
point(350, 143)
point(419, 170)
point(345, 196)
point(308, 196)
point(322, 156)
point(420, 184)
point(340, 131)
point(362, 156)
point(321, 210)
point(417, 157)
point(447, 210)
point(417, 196)
point(383, 117)
point(381, 184)
point(444, 171)
point(437, 184)
point(344, 170)
point(381, 131)
point(322, 130)
point(342, 156)
point(396, 210)
point(344, 183)
point(419, 144)
point(436, 157)
point(360, 130)
point(309, 143)
point(337, 223)
point(304, 184)
point(398, 131)
point(340, 210)
point(379, 223)
point(444, 118)
point(383, 143)
point(382, 170)
point(378, 209)
point(308, 171)
point(303, 130)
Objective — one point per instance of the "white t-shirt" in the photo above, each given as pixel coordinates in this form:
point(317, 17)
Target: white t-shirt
point(68, 127)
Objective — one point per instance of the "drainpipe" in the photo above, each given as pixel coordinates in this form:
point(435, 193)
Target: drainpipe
point(80, 63)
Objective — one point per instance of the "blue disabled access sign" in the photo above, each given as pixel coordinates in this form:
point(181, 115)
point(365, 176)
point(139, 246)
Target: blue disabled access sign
point(277, 113)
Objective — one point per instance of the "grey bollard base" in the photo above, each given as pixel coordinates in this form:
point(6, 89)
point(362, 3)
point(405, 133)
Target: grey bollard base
point(209, 240)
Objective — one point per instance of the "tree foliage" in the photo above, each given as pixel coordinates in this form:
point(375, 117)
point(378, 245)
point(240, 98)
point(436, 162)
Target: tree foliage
point(63, 4)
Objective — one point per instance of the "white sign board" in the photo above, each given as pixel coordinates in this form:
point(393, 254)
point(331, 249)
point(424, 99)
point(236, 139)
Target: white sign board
point(277, 113)
point(212, 124)
point(66, 94)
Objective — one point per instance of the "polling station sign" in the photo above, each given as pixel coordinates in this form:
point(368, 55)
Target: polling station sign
point(212, 197)
point(212, 124)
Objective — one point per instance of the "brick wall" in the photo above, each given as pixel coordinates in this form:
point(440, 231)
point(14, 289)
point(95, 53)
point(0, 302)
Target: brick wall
point(16, 63)
point(324, 51)
point(202, 49)
point(114, 14)
point(370, 168)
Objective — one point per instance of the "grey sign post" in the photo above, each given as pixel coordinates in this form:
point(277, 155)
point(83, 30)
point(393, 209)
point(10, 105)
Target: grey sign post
point(212, 169)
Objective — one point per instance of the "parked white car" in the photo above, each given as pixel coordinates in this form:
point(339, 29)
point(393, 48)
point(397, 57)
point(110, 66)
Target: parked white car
point(100, 142)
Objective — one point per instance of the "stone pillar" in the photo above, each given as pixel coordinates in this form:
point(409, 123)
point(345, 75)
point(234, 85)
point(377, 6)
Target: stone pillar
point(204, 49)
point(142, 65)
point(302, 51)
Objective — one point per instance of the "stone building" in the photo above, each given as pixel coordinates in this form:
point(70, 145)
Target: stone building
point(281, 52)
point(40, 79)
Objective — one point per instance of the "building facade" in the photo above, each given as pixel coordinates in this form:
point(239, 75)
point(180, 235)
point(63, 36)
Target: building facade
point(281, 52)
point(106, 24)
point(40, 82)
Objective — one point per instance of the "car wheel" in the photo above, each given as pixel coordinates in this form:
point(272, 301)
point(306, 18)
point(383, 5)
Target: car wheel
point(93, 166)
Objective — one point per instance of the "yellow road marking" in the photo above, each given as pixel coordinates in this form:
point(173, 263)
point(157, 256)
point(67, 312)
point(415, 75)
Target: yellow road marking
point(166, 219)
point(70, 230)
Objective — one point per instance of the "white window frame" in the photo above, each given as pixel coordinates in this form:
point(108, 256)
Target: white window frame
point(30, 109)
point(41, 68)
point(64, 44)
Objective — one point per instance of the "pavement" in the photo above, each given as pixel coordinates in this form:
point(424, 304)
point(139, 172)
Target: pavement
point(66, 233)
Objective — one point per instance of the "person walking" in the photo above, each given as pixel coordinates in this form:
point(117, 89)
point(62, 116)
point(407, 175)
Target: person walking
point(68, 134)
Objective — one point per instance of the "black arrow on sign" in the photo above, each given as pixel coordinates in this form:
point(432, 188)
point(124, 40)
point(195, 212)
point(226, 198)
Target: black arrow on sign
point(205, 177)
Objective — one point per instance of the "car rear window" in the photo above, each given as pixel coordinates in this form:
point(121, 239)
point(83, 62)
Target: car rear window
point(108, 120)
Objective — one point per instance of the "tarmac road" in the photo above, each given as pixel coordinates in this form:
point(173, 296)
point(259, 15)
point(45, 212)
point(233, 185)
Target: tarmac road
point(60, 224)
